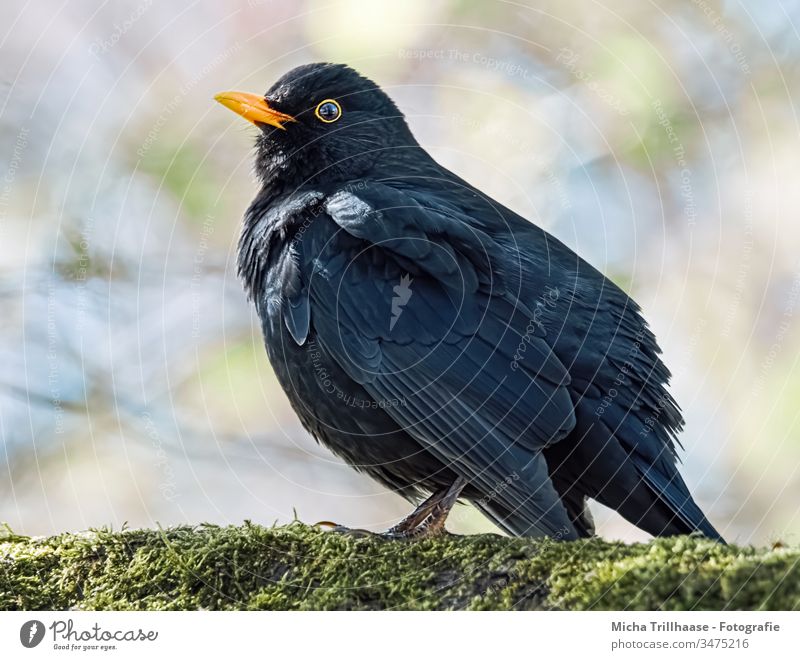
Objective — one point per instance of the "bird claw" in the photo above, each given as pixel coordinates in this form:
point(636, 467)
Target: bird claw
point(326, 523)
point(348, 531)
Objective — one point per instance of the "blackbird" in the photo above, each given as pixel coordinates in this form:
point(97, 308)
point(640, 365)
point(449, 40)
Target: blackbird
point(439, 342)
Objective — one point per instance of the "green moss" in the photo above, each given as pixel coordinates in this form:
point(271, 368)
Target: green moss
point(300, 567)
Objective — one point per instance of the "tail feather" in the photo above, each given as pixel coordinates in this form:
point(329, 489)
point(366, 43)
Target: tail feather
point(647, 491)
point(672, 491)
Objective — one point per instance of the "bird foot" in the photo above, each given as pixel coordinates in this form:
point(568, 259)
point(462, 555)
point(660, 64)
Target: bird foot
point(347, 531)
point(423, 530)
point(341, 529)
point(426, 521)
point(431, 527)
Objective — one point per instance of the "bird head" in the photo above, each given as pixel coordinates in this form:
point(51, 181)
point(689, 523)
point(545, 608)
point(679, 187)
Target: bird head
point(321, 122)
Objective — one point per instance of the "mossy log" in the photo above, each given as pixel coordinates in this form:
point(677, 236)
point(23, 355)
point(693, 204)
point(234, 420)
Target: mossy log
point(301, 567)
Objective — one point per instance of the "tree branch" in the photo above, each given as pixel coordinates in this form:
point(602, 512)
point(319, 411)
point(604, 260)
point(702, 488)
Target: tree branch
point(301, 567)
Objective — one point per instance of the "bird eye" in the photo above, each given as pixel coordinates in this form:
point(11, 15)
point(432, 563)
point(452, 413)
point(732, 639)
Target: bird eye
point(328, 111)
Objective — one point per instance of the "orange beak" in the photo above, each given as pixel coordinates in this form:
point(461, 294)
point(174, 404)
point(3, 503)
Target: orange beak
point(253, 108)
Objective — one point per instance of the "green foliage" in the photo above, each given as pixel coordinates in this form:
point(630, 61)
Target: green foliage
point(301, 567)
point(182, 171)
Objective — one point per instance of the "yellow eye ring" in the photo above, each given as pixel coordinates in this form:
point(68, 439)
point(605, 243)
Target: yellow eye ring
point(328, 111)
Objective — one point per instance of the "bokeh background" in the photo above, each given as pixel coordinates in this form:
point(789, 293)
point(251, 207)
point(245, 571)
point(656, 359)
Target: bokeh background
point(659, 139)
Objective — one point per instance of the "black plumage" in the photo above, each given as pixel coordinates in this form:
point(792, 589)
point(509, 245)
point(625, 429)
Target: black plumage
point(438, 341)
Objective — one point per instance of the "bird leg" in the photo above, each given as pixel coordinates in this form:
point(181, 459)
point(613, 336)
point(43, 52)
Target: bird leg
point(402, 529)
point(425, 521)
point(429, 517)
point(415, 518)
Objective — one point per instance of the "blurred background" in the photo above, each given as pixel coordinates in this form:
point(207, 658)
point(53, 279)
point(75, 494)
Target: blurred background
point(660, 140)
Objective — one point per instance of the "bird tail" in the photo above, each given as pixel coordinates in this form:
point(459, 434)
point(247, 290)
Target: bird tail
point(673, 493)
point(647, 491)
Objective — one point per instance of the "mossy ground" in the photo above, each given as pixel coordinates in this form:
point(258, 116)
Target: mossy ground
point(301, 567)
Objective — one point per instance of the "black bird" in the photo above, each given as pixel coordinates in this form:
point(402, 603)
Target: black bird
point(438, 341)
